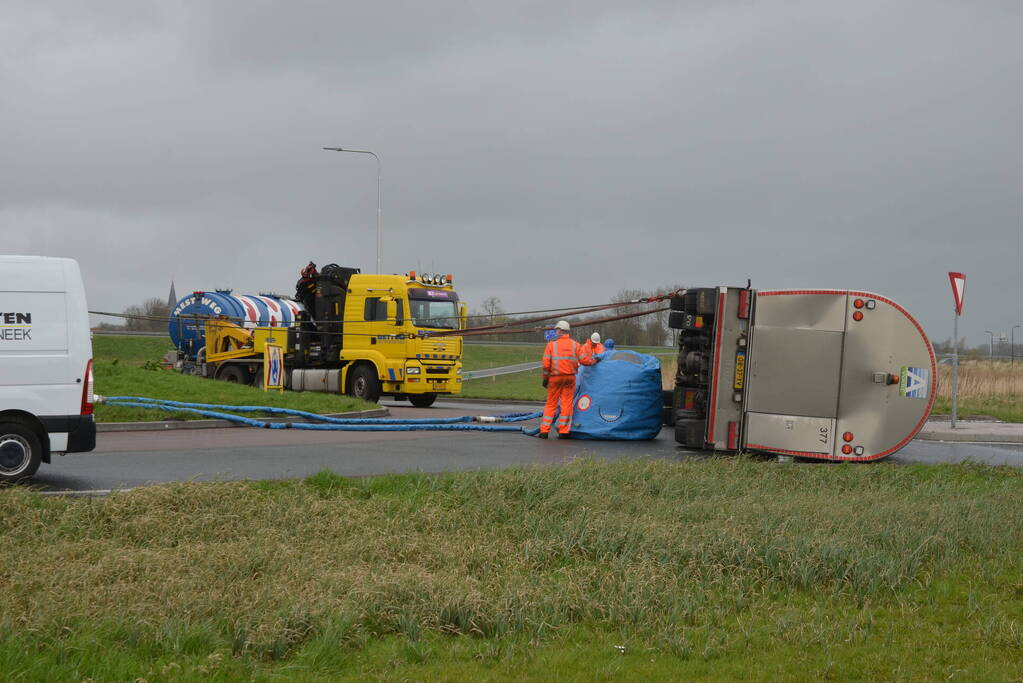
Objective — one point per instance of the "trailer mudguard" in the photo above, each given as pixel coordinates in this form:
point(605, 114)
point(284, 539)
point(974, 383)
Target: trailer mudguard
point(619, 398)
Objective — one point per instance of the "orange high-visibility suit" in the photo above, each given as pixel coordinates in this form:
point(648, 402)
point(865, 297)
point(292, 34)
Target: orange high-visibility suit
point(561, 359)
point(590, 349)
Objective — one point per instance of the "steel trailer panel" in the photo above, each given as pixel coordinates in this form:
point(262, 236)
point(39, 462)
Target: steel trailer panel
point(886, 372)
point(723, 408)
point(794, 371)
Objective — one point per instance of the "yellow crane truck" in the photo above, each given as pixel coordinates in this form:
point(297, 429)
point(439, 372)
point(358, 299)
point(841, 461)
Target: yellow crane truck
point(344, 332)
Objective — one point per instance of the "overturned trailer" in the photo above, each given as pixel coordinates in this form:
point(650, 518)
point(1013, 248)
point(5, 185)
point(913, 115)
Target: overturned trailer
point(816, 374)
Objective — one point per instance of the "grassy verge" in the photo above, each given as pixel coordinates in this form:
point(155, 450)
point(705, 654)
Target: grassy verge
point(1005, 408)
point(986, 389)
point(115, 379)
point(127, 366)
point(639, 569)
point(520, 386)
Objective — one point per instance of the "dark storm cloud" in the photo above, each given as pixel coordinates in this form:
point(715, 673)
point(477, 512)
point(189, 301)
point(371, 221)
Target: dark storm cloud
point(547, 153)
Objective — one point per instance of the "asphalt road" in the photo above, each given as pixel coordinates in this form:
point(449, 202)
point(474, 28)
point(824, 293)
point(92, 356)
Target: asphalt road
point(129, 459)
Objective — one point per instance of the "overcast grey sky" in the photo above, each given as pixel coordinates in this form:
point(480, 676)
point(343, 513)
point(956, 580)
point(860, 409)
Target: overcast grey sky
point(548, 153)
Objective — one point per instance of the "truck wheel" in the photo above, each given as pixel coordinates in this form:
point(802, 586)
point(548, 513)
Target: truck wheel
point(363, 383)
point(422, 400)
point(690, 433)
point(20, 452)
point(235, 374)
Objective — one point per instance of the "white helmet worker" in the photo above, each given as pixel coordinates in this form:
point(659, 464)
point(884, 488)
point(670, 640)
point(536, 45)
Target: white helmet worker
point(595, 337)
point(562, 325)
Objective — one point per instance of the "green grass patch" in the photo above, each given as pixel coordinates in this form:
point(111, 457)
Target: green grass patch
point(520, 386)
point(129, 349)
point(723, 569)
point(129, 366)
point(1005, 408)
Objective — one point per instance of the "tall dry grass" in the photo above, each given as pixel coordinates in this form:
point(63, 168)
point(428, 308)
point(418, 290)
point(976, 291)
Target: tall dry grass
point(982, 379)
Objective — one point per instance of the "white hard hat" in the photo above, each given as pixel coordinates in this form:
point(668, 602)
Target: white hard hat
point(595, 337)
point(562, 325)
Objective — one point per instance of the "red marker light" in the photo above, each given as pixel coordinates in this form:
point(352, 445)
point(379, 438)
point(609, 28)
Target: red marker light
point(450, 278)
point(846, 449)
point(848, 436)
point(858, 303)
point(857, 316)
point(412, 275)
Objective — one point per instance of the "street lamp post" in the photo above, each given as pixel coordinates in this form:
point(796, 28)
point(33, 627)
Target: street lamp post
point(991, 345)
point(1012, 345)
point(380, 215)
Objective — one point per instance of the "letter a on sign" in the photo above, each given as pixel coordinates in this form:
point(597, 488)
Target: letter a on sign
point(958, 281)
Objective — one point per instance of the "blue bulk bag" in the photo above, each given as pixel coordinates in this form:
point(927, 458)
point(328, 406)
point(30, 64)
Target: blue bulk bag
point(618, 398)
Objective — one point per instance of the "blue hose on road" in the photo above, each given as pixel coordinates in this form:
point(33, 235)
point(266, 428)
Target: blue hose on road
point(463, 423)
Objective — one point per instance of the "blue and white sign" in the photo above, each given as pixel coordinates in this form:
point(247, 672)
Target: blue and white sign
point(273, 368)
point(913, 382)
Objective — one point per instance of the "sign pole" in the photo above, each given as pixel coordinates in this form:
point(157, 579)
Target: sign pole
point(958, 282)
point(955, 368)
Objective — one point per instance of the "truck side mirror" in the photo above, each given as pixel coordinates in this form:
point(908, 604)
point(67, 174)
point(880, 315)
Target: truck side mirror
point(392, 308)
point(462, 320)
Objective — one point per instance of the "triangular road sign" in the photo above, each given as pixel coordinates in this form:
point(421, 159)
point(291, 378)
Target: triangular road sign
point(958, 281)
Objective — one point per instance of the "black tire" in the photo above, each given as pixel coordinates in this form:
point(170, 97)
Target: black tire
point(235, 374)
point(363, 383)
point(690, 433)
point(21, 451)
point(422, 400)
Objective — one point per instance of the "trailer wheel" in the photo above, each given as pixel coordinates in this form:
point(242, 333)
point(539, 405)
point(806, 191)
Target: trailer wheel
point(690, 433)
point(363, 383)
point(235, 374)
point(422, 400)
point(20, 452)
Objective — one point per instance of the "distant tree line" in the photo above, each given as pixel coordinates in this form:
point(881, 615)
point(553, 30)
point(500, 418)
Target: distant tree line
point(151, 316)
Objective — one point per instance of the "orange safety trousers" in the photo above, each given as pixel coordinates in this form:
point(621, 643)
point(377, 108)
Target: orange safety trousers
point(560, 390)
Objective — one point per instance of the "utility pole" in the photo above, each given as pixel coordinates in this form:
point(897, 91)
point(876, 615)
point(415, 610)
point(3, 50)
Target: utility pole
point(1012, 345)
point(380, 213)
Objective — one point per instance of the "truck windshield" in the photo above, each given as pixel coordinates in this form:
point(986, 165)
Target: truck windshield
point(437, 314)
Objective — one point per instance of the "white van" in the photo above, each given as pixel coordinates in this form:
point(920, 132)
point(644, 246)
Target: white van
point(46, 387)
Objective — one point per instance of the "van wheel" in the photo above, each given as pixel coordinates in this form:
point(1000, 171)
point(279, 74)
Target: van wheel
point(363, 383)
point(235, 374)
point(20, 452)
point(422, 400)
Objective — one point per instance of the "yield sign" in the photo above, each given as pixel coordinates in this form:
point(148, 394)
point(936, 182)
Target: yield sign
point(958, 281)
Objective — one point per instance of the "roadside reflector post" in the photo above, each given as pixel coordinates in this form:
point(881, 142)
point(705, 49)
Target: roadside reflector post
point(958, 281)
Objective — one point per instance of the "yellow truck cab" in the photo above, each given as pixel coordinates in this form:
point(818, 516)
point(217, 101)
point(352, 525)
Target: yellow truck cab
point(344, 332)
point(385, 351)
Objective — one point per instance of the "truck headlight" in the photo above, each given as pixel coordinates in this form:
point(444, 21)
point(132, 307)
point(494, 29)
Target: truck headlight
point(413, 370)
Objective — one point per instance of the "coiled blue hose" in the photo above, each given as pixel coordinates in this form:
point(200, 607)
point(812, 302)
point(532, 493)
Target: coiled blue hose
point(462, 423)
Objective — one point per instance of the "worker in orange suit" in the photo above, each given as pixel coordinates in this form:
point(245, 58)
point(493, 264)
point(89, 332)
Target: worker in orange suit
point(561, 359)
point(592, 346)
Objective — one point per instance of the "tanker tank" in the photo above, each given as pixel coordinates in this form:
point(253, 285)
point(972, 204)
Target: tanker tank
point(186, 325)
